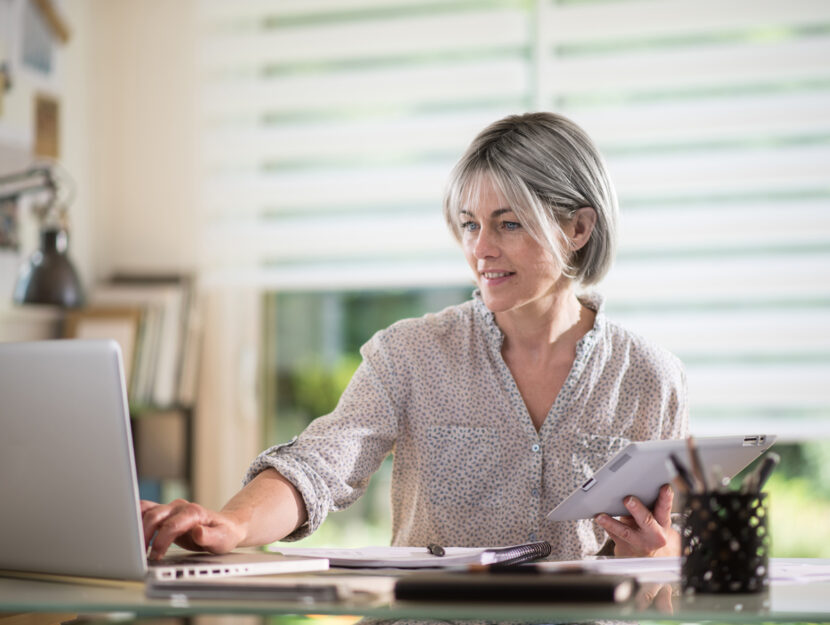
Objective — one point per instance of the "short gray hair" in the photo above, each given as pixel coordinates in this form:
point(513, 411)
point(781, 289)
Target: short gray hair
point(546, 167)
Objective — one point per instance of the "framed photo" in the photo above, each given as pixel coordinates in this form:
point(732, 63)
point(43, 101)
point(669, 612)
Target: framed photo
point(47, 119)
point(118, 324)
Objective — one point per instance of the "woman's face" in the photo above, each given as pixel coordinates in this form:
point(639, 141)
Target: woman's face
point(512, 270)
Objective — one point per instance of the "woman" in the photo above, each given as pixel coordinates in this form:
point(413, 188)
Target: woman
point(495, 409)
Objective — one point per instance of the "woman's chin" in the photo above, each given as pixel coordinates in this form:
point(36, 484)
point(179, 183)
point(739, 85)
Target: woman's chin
point(496, 304)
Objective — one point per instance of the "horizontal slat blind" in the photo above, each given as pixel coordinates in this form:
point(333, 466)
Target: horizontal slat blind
point(330, 127)
point(715, 119)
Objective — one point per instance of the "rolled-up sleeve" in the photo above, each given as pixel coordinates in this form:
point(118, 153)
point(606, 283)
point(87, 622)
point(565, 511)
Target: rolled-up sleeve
point(331, 462)
point(676, 416)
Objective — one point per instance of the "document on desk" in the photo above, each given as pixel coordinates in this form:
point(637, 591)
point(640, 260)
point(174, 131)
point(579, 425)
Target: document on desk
point(666, 570)
point(419, 557)
point(799, 570)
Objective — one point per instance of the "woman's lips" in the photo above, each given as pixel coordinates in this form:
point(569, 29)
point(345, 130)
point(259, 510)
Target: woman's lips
point(496, 277)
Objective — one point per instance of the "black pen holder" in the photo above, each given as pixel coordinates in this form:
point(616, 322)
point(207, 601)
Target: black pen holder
point(725, 543)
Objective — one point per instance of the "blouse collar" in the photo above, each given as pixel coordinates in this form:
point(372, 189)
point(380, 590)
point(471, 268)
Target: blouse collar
point(590, 299)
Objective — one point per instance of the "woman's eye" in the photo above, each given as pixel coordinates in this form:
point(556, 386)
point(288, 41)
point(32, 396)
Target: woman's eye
point(469, 226)
point(511, 225)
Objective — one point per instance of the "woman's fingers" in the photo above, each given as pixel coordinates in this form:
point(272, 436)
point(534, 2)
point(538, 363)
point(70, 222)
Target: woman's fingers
point(627, 537)
point(663, 505)
point(164, 524)
point(643, 533)
point(657, 595)
point(216, 537)
point(189, 525)
point(663, 600)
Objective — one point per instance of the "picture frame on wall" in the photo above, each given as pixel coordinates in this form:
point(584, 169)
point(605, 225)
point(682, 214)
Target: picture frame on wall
point(47, 128)
point(9, 239)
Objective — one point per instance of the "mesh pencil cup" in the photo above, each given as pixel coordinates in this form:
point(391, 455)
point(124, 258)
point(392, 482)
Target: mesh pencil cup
point(725, 543)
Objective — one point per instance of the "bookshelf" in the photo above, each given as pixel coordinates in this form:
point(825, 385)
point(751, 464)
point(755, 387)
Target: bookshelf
point(162, 440)
point(162, 431)
point(29, 322)
point(156, 320)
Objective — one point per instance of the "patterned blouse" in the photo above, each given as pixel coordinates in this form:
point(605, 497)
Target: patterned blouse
point(470, 468)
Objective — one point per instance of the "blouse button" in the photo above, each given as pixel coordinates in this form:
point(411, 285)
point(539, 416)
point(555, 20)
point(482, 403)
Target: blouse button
point(535, 447)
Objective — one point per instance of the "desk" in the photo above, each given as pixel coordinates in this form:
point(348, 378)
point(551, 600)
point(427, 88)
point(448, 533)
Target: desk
point(784, 603)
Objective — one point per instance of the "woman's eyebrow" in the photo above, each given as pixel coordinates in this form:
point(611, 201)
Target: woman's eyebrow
point(496, 213)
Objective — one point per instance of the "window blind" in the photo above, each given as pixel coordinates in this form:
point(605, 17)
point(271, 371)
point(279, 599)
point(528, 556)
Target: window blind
point(330, 129)
point(330, 126)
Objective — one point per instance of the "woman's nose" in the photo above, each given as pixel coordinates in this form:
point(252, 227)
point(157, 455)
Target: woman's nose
point(486, 245)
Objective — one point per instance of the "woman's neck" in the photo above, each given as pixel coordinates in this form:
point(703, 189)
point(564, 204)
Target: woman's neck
point(557, 320)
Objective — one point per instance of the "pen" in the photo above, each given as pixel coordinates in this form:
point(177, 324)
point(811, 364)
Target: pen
point(770, 462)
point(756, 480)
point(436, 550)
point(678, 483)
point(697, 465)
point(682, 480)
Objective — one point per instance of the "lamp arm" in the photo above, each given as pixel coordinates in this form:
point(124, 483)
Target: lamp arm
point(33, 180)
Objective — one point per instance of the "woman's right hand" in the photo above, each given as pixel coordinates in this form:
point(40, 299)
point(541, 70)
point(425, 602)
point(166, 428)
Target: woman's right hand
point(268, 508)
point(189, 525)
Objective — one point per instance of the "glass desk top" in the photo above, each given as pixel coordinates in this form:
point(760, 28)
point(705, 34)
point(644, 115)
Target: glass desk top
point(782, 603)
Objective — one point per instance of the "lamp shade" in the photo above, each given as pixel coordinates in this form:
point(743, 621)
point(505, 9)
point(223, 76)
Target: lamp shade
point(48, 276)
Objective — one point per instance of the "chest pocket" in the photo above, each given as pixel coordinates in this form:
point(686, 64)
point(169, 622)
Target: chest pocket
point(590, 451)
point(463, 466)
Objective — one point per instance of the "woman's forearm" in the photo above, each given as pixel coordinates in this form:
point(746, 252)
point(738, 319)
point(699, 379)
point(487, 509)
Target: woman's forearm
point(269, 508)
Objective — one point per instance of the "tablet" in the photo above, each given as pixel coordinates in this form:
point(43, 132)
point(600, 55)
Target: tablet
point(640, 470)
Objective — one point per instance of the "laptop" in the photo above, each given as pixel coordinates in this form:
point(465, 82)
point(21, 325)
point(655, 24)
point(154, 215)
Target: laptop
point(69, 489)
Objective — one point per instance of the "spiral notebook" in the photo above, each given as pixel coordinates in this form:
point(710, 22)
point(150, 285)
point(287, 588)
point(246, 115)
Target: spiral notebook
point(421, 557)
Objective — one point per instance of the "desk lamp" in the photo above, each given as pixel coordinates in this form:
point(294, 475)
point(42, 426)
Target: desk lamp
point(48, 276)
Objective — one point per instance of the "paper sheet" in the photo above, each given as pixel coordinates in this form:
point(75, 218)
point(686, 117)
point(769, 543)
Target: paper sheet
point(388, 557)
point(667, 570)
point(646, 570)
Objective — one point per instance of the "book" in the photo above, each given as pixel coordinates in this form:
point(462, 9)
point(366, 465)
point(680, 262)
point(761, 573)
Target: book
point(166, 302)
point(422, 557)
point(524, 586)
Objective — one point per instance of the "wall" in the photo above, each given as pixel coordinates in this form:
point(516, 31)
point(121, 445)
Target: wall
point(128, 135)
point(125, 81)
point(135, 86)
point(139, 86)
point(134, 93)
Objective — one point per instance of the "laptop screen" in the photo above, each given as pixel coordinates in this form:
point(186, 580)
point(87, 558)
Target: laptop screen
point(69, 488)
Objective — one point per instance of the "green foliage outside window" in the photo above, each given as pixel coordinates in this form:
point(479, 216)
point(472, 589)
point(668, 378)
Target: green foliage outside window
point(317, 388)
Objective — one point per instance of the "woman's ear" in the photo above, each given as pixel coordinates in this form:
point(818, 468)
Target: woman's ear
point(581, 226)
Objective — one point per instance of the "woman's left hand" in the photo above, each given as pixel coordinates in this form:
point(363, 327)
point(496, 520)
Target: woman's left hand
point(644, 533)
